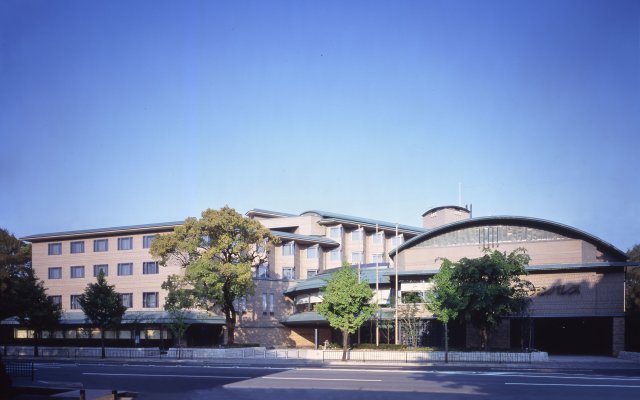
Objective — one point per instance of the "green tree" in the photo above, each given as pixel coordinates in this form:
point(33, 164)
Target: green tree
point(102, 306)
point(490, 287)
point(219, 252)
point(633, 280)
point(346, 303)
point(177, 303)
point(445, 301)
point(37, 311)
point(15, 257)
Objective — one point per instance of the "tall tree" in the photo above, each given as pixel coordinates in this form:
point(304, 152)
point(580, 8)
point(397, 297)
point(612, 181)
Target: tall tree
point(219, 252)
point(633, 281)
point(37, 311)
point(15, 257)
point(346, 303)
point(445, 301)
point(177, 303)
point(490, 288)
point(102, 306)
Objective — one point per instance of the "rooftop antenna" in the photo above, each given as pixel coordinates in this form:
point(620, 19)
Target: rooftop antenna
point(459, 194)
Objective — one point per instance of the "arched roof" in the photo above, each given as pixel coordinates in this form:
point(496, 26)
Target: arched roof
point(550, 226)
point(434, 209)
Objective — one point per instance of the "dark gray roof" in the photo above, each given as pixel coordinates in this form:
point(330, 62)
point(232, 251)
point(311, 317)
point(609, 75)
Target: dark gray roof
point(137, 317)
point(551, 226)
point(162, 226)
point(320, 281)
point(268, 213)
point(329, 217)
point(309, 317)
point(323, 240)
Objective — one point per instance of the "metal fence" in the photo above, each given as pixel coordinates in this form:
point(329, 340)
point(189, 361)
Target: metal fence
point(20, 369)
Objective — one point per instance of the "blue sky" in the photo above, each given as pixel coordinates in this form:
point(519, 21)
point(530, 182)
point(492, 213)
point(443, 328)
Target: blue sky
point(121, 113)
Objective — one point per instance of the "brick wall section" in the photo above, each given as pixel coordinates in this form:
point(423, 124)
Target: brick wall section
point(618, 336)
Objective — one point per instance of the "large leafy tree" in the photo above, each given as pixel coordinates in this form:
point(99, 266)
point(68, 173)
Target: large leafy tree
point(219, 252)
point(102, 306)
point(489, 288)
point(445, 300)
point(633, 280)
point(346, 303)
point(15, 257)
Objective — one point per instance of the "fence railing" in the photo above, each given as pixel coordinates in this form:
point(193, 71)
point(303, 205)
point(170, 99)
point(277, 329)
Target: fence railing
point(19, 369)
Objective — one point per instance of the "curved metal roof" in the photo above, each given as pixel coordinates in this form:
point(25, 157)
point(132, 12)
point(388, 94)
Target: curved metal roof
point(434, 209)
point(342, 218)
point(551, 226)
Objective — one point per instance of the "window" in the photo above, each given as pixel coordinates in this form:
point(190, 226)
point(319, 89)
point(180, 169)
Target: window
point(55, 273)
point(288, 248)
point(150, 267)
point(396, 241)
point(287, 272)
point(378, 238)
point(147, 240)
point(100, 245)
point(312, 252)
point(356, 257)
point(125, 243)
point(335, 232)
point(77, 247)
point(377, 258)
point(271, 303)
point(77, 272)
point(57, 300)
point(335, 255)
point(311, 273)
point(75, 302)
point(264, 304)
point(55, 249)
point(356, 235)
point(101, 267)
point(125, 269)
point(262, 271)
point(150, 299)
point(126, 299)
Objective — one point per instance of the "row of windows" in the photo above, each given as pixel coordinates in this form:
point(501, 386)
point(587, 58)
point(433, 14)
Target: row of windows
point(99, 245)
point(124, 269)
point(357, 257)
point(149, 300)
point(491, 236)
point(263, 272)
point(94, 333)
point(358, 234)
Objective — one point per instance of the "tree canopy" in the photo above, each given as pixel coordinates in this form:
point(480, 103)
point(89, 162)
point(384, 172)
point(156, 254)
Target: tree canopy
point(219, 252)
point(346, 303)
point(633, 281)
point(102, 306)
point(483, 290)
point(15, 257)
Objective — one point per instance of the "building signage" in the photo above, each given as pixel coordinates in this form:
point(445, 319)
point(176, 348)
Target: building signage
point(416, 287)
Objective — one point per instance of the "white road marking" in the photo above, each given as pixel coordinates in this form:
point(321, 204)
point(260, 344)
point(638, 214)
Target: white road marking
point(169, 375)
point(569, 384)
point(320, 379)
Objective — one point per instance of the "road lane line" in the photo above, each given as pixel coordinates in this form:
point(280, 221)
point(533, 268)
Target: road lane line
point(320, 379)
point(569, 384)
point(169, 375)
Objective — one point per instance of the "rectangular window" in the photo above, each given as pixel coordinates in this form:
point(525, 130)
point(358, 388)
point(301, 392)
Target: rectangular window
point(335, 255)
point(335, 232)
point(77, 247)
point(147, 240)
point(100, 245)
point(287, 272)
point(271, 303)
point(356, 257)
point(126, 299)
point(101, 267)
point(150, 267)
point(378, 238)
point(125, 269)
point(356, 235)
point(150, 299)
point(312, 252)
point(397, 241)
point(55, 249)
point(311, 273)
point(57, 300)
point(288, 249)
point(377, 258)
point(75, 302)
point(264, 304)
point(77, 271)
point(55, 273)
point(262, 271)
point(125, 243)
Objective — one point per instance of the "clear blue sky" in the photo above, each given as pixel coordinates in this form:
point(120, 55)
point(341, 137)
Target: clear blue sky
point(127, 112)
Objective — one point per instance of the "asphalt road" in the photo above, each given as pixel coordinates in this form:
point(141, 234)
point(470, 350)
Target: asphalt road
point(165, 381)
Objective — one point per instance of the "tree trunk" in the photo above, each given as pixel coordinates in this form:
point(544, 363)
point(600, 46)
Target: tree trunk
point(446, 342)
point(345, 345)
point(102, 342)
point(231, 328)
